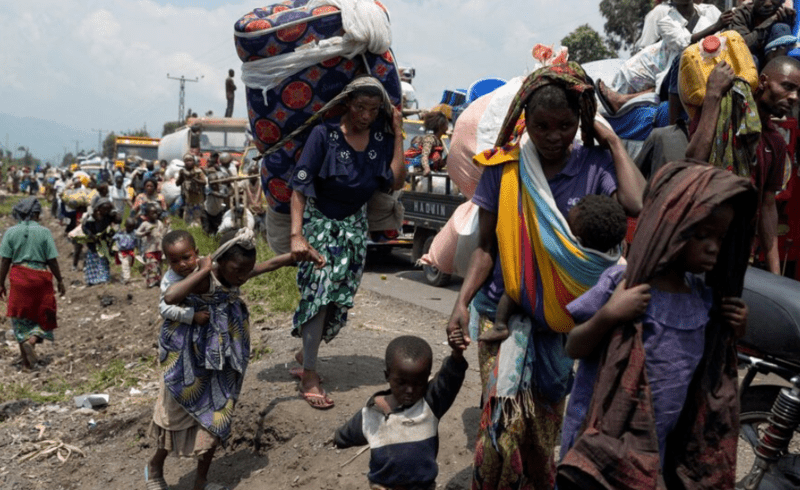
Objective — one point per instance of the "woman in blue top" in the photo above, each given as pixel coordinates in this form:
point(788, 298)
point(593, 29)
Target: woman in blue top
point(344, 162)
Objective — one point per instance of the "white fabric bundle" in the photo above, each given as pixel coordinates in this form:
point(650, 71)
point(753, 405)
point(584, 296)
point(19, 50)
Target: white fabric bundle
point(366, 28)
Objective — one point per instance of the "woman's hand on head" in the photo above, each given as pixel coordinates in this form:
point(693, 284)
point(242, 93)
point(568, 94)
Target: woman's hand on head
point(627, 304)
point(734, 312)
point(604, 135)
point(397, 122)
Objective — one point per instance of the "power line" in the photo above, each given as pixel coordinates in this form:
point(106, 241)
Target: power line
point(182, 95)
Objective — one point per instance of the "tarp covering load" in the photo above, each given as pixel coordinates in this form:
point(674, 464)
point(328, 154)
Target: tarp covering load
point(298, 55)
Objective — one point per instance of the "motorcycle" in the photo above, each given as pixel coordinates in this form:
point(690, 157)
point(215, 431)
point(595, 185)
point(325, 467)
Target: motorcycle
point(770, 411)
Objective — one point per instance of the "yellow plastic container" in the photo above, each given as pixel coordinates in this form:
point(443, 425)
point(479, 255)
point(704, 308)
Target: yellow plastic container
point(700, 58)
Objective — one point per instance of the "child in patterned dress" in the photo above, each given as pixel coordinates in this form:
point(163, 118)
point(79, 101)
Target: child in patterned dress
point(213, 349)
point(150, 233)
point(126, 244)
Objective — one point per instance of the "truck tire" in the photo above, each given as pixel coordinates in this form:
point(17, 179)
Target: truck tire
point(434, 276)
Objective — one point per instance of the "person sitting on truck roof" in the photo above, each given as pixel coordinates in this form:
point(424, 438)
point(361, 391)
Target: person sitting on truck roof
point(426, 152)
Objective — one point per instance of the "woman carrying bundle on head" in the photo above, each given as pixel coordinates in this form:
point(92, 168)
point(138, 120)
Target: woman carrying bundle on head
point(344, 162)
point(534, 175)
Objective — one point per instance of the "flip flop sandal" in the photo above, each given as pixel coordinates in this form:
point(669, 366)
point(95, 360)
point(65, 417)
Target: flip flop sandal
point(154, 483)
point(310, 398)
point(297, 372)
point(603, 101)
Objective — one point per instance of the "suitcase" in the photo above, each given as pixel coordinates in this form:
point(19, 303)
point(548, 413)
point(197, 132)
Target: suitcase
point(280, 29)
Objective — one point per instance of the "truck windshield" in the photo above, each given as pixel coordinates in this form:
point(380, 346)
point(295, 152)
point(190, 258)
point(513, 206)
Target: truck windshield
point(144, 152)
point(220, 140)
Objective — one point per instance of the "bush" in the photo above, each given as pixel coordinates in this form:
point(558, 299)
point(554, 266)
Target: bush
point(277, 289)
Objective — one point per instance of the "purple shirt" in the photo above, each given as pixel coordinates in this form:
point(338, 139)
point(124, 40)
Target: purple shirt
point(340, 179)
point(673, 332)
point(588, 171)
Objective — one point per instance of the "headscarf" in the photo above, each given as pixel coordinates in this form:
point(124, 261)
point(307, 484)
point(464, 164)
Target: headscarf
point(571, 77)
point(357, 84)
point(680, 195)
point(23, 210)
point(244, 237)
point(102, 200)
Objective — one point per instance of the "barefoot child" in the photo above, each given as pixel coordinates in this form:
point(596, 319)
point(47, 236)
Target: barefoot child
point(654, 397)
point(598, 222)
point(213, 350)
point(401, 424)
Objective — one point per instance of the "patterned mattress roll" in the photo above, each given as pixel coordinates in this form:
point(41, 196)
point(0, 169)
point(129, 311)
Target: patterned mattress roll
point(280, 29)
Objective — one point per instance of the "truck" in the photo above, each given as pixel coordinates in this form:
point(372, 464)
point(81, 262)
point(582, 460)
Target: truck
point(135, 146)
point(426, 212)
point(429, 203)
point(202, 136)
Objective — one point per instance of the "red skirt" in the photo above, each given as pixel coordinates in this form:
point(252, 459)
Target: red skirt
point(31, 296)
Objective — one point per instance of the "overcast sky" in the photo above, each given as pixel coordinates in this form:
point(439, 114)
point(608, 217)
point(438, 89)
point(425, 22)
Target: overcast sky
point(102, 65)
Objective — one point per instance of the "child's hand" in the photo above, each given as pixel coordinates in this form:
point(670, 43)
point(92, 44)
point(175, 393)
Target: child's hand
point(734, 312)
point(455, 339)
point(205, 263)
point(201, 317)
point(628, 304)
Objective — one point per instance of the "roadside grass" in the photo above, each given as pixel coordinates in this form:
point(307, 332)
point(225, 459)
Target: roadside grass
point(272, 292)
point(57, 389)
point(8, 202)
point(278, 289)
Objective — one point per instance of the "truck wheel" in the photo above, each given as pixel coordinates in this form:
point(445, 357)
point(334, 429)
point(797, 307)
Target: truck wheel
point(434, 276)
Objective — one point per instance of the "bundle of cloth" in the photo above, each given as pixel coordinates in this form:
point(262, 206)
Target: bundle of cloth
point(297, 56)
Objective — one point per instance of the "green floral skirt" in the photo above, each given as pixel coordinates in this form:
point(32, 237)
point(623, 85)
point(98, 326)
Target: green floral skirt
point(343, 243)
point(25, 329)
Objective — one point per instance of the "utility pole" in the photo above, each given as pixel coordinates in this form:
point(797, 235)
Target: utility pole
point(100, 140)
point(182, 95)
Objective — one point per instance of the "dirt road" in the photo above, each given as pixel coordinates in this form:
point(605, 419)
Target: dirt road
point(278, 441)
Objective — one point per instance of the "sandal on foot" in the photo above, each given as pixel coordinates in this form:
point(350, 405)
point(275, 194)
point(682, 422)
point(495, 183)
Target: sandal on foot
point(603, 100)
point(297, 372)
point(320, 402)
point(158, 483)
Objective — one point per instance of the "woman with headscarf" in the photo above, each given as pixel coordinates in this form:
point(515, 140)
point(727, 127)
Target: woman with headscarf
point(27, 251)
point(150, 194)
point(534, 175)
point(97, 235)
point(344, 162)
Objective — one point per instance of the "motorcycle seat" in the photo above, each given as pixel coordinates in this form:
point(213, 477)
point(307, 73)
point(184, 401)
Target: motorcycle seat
point(773, 326)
